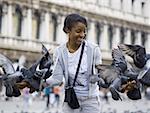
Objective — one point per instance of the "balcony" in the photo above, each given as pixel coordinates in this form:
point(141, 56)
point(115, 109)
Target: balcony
point(16, 43)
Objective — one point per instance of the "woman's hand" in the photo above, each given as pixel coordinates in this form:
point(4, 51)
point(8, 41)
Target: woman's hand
point(21, 85)
point(130, 85)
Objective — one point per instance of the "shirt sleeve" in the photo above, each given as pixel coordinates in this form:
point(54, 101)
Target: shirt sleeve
point(57, 76)
point(98, 56)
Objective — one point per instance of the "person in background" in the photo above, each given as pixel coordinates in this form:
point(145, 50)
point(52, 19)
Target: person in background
point(47, 91)
point(56, 91)
point(26, 99)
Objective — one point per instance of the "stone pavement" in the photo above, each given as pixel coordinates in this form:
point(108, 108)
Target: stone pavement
point(17, 105)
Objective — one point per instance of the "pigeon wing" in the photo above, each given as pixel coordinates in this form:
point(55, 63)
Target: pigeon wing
point(137, 52)
point(107, 72)
point(119, 60)
point(6, 65)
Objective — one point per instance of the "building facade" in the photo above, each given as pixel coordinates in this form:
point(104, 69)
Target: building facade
point(24, 24)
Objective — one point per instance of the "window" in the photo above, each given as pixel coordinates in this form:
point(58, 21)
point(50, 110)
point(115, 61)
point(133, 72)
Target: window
point(54, 21)
point(133, 2)
point(142, 7)
point(36, 25)
point(143, 38)
point(122, 35)
point(133, 37)
point(132, 5)
point(0, 17)
point(121, 5)
point(98, 32)
point(17, 21)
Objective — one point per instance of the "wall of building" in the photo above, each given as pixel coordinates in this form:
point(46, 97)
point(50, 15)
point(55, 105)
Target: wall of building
point(24, 24)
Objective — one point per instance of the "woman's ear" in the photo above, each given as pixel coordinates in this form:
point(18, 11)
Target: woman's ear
point(67, 30)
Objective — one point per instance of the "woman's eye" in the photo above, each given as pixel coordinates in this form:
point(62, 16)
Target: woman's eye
point(78, 31)
point(85, 32)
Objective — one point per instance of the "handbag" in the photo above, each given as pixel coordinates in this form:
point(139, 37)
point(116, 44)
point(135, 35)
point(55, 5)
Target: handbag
point(70, 95)
point(71, 98)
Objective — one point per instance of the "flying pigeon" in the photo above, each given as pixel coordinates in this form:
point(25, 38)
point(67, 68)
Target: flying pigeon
point(141, 61)
point(10, 77)
point(34, 77)
point(117, 75)
point(25, 77)
point(113, 74)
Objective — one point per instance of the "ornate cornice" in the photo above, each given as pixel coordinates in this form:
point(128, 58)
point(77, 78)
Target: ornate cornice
point(56, 8)
point(64, 10)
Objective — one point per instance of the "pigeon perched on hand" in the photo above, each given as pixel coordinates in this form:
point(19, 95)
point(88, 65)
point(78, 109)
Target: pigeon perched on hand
point(113, 74)
point(32, 77)
point(117, 77)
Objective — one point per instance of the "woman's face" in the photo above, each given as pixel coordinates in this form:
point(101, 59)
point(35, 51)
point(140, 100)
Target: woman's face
point(77, 33)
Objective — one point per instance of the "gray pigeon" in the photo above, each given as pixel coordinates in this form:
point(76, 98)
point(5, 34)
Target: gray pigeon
point(113, 74)
point(141, 61)
point(35, 77)
point(136, 52)
point(10, 76)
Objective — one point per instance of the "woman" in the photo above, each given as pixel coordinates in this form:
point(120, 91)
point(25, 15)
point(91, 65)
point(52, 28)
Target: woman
point(66, 60)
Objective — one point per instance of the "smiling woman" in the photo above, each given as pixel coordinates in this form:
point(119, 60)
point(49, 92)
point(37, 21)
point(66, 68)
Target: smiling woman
point(76, 61)
point(75, 27)
point(76, 36)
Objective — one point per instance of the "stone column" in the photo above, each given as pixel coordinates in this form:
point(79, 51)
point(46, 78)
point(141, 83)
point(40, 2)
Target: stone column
point(137, 7)
point(101, 32)
point(42, 29)
point(147, 44)
point(116, 36)
point(128, 37)
point(104, 44)
point(138, 38)
point(46, 27)
point(91, 35)
point(29, 24)
point(24, 24)
point(61, 37)
point(26, 32)
point(4, 19)
point(10, 21)
point(146, 10)
point(50, 26)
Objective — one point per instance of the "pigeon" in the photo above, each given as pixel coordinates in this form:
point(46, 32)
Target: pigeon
point(117, 75)
point(46, 62)
point(1, 81)
point(33, 77)
point(136, 52)
point(113, 74)
point(25, 77)
point(10, 77)
point(141, 61)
